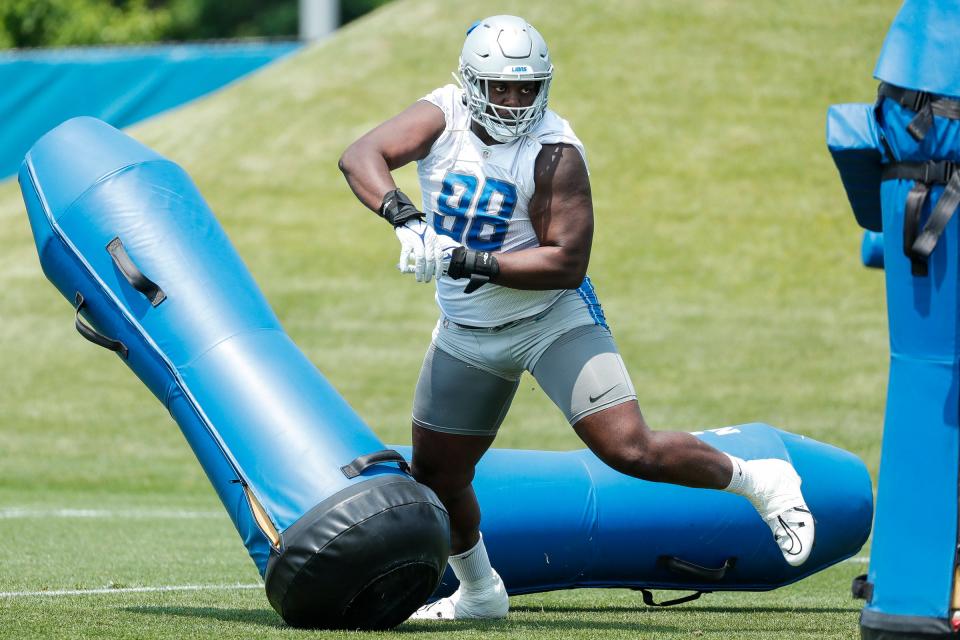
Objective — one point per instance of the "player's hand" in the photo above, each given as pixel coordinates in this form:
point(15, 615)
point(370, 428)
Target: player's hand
point(445, 247)
point(419, 253)
point(480, 266)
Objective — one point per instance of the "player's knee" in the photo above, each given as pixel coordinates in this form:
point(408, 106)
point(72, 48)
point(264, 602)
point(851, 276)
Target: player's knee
point(642, 462)
point(443, 480)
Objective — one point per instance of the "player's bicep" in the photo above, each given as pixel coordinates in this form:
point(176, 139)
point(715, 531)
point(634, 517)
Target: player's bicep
point(407, 136)
point(561, 208)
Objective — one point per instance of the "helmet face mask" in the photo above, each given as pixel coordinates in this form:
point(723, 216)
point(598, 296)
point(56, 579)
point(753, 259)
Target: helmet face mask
point(504, 49)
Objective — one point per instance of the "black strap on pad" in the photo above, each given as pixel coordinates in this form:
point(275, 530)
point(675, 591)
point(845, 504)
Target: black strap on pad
point(911, 223)
point(926, 242)
point(134, 276)
point(918, 244)
point(93, 336)
point(362, 463)
point(925, 104)
point(650, 602)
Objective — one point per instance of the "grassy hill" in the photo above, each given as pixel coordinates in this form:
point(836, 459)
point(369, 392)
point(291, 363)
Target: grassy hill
point(725, 256)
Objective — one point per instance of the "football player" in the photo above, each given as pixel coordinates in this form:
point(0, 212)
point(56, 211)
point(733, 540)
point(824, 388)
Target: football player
point(506, 225)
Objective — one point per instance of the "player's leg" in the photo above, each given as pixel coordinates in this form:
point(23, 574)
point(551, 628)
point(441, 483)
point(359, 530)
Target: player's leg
point(584, 375)
point(458, 408)
point(621, 438)
point(445, 462)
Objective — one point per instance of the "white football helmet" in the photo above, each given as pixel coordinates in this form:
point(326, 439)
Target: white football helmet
point(504, 48)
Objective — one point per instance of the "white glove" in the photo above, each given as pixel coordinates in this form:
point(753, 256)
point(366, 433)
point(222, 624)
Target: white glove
point(419, 252)
point(445, 247)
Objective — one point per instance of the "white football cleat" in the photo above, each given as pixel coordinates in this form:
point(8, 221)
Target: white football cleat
point(486, 603)
point(776, 496)
point(794, 532)
point(443, 609)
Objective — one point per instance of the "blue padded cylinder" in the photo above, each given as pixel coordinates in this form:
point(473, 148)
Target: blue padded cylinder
point(913, 559)
point(269, 430)
point(561, 520)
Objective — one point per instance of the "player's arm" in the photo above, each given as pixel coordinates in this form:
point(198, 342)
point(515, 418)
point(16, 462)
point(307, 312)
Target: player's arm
point(561, 211)
point(367, 164)
point(408, 136)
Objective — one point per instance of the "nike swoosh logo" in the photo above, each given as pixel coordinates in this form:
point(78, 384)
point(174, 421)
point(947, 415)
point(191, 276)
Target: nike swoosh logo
point(595, 398)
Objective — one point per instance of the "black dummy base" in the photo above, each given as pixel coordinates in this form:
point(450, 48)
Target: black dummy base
point(364, 558)
point(884, 626)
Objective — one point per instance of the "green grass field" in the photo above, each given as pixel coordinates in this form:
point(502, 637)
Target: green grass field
point(726, 258)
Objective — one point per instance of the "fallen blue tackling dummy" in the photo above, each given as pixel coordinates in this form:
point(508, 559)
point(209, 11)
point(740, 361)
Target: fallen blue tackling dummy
point(561, 520)
point(343, 537)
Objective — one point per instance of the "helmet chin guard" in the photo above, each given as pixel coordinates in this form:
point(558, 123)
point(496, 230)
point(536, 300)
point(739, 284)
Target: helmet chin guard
point(506, 49)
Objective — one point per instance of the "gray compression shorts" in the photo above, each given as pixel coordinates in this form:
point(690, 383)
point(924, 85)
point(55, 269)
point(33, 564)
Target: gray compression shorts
point(470, 375)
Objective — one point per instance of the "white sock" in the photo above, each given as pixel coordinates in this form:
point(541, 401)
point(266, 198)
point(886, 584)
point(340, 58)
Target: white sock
point(741, 480)
point(472, 567)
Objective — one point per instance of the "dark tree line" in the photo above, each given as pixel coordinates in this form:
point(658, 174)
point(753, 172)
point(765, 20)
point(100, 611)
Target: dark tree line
point(52, 23)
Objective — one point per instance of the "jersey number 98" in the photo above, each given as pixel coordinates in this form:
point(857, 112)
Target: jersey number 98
point(479, 223)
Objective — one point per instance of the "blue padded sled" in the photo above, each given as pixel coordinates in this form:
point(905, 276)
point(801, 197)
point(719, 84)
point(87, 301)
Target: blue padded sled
point(912, 588)
point(561, 520)
point(343, 538)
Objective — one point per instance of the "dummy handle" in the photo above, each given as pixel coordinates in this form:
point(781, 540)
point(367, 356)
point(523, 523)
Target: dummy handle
point(685, 567)
point(134, 276)
point(364, 462)
point(93, 336)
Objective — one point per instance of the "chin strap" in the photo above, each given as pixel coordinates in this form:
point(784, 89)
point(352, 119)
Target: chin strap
point(480, 266)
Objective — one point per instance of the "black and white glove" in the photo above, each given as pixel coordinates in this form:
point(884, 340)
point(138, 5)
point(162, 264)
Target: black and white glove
point(480, 266)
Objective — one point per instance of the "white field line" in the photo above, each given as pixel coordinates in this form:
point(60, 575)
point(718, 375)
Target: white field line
point(108, 591)
point(185, 587)
point(17, 513)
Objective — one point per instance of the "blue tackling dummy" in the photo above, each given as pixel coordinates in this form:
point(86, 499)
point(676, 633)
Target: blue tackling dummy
point(898, 163)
